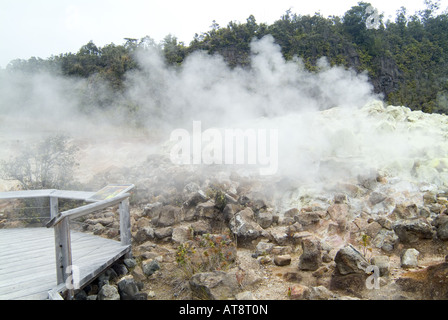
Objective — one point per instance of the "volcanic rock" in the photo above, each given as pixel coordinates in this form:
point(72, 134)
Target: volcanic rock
point(349, 260)
point(216, 285)
point(411, 231)
point(441, 224)
point(311, 258)
point(409, 258)
point(244, 226)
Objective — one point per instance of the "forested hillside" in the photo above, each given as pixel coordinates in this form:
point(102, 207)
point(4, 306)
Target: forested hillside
point(406, 57)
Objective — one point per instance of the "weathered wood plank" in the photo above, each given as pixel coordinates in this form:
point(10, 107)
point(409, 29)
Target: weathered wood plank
point(54, 295)
point(23, 274)
point(125, 224)
point(89, 208)
point(33, 262)
point(94, 272)
point(90, 253)
point(26, 194)
point(39, 287)
point(63, 249)
point(26, 245)
point(54, 206)
point(22, 232)
point(65, 194)
point(44, 250)
point(28, 275)
point(74, 195)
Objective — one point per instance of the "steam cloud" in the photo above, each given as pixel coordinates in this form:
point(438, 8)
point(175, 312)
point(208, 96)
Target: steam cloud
point(331, 125)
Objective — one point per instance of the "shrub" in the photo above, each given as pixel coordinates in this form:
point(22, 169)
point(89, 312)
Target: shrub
point(46, 165)
point(206, 253)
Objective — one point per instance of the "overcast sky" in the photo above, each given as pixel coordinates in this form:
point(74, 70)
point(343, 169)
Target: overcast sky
point(42, 28)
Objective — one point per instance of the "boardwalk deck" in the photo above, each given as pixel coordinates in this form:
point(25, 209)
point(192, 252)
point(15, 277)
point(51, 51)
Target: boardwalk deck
point(27, 260)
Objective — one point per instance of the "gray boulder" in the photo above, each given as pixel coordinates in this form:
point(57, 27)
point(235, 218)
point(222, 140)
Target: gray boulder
point(216, 285)
point(120, 269)
point(152, 210)
point(150, 267)
point(181, 234)
point(161, 233)
point(282, 260)
point(307, 219)
point(264, 219)
point(130, 263)
point(441, 224)
point(144, 234)
point(411, 231)
point(127, 288)
point(196, 198)
point(168, 216)
point(385, 240)
point(321, 293)
point(349, 260)
point(376, 197)
point(263, 248)
point(409, 258)
point(406, 211)
point(311, 258)
point(108, 292)
point(206, 210)
point(244, 226)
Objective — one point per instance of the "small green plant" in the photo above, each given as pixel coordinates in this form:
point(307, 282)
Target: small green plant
point(183, 255)
point(365, 245)
point(205, 253)
point(219, 196)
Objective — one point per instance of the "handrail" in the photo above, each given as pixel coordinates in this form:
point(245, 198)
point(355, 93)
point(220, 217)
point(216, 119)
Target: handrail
point(61, 225)
point(89, 208)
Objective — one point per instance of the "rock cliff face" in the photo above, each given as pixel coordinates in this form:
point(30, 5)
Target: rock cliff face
point(388, 78)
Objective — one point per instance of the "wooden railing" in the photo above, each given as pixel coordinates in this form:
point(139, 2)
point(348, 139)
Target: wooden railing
point(61, 224)
point(60, 221)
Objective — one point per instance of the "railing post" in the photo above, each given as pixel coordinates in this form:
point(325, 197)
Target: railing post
point(54, 207)
point(63, 253)
point(125, 225)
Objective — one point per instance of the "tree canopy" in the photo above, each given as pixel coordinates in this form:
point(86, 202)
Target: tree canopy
point(406, 58)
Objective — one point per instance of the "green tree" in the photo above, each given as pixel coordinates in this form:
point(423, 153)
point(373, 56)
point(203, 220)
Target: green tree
point(173, 51)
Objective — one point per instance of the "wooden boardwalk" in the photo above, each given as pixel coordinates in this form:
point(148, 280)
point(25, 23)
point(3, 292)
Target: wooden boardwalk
point(27, 260)
point(39, 263)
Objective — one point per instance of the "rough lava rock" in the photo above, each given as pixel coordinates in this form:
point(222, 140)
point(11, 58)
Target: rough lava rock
point(311, 258)
point(349, 260)
point(411, 231)
point(244, 226)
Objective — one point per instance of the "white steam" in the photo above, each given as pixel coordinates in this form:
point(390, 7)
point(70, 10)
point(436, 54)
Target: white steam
point(331, 125)
point(205, 88)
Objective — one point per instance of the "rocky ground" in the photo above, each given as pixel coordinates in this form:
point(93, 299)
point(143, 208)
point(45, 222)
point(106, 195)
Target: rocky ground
point(220, 235)
point(209, 232)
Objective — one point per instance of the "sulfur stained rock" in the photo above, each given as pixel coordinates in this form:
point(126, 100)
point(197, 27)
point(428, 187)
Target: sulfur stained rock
point(298, 292)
